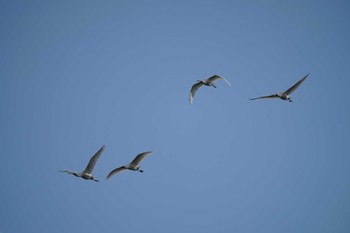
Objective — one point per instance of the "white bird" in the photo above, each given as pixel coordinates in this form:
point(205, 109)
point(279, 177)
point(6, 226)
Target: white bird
point(207, 82)
point(134, 165)
point(86, 174)
point(284, 95)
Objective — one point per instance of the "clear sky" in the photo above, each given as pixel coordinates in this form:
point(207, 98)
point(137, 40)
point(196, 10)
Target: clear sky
point(76, 75)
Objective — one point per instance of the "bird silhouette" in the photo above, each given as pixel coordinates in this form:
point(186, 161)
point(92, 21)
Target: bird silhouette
point(134, 165)
point(206, 82)
point(286, 94)
point(87, 173)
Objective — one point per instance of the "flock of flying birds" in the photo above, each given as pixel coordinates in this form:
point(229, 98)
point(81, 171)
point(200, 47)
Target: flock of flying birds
point(87, 173)
point(134, 165)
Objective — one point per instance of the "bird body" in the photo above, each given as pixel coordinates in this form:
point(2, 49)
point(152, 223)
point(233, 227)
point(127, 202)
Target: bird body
point(87, 176)
point(133, 166)
point(206, 82)
point(87, 173)
point(286, 94)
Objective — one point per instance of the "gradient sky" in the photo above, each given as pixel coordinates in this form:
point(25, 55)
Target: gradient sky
point(76, 75)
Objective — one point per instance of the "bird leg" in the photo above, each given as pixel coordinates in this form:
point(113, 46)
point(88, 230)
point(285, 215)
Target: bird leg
point(140, 170)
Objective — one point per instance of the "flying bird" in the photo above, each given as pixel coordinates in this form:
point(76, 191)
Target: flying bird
point(134, 165)
point(284, 95)
point(207, 82)
point(86, 174)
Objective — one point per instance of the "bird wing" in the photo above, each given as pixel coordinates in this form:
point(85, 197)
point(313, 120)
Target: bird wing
point(115, 171)
point(217, 77)
point(137, 160)
point(265, 97)
point(69, 172)
point(295, 86)
point(193, 91)
point(93, 160)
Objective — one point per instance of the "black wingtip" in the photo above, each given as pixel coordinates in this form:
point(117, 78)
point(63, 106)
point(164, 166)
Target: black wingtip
point(306, 76)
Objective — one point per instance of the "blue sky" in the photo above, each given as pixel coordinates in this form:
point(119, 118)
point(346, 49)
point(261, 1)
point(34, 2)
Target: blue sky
point(76, 75)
